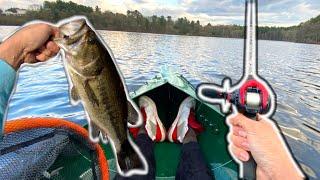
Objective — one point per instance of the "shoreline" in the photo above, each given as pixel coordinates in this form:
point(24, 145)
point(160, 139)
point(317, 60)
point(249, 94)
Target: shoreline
point(181, 35)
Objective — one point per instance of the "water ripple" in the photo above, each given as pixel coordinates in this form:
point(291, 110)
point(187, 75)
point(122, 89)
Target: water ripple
point(292, 69)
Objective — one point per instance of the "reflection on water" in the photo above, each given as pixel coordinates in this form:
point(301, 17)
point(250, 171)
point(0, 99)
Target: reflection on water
point(292, 69)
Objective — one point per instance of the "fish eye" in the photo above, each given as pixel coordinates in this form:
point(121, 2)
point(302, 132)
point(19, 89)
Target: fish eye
point(65, 37)
point(91, 38)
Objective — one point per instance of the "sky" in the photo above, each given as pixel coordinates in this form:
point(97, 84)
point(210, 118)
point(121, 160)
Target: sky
point(271, 12)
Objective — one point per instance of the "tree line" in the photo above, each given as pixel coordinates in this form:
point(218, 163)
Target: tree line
point(307, 32)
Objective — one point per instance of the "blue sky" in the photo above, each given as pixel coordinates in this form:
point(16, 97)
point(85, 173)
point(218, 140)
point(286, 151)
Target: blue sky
point(271, 12)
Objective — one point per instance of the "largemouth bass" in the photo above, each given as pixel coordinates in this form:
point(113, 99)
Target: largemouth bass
point(96, 82)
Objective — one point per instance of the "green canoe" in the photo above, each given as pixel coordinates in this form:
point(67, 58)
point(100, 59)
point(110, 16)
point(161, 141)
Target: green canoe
point(168, 90)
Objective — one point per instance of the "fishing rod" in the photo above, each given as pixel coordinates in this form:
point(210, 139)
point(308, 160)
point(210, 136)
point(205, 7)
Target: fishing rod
point(252, 94)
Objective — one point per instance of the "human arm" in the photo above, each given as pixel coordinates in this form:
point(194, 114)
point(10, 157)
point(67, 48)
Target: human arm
point(7, 79)
point(263, 140)
point(30, 44)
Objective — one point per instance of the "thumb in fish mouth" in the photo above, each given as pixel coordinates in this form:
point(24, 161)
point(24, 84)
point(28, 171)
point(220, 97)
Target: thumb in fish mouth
point(59, 42)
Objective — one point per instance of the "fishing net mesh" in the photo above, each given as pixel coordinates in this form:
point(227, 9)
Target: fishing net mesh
point(47, 153)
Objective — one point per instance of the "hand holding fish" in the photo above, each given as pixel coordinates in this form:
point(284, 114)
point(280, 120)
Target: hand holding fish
point(30, 44)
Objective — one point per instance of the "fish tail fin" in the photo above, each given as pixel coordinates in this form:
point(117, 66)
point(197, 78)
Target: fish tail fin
point(129, 159)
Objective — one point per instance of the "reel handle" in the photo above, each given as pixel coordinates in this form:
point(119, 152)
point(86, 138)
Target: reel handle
point(210, 93)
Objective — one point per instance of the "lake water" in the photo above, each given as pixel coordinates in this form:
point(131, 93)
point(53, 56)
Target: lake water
point(292, 69)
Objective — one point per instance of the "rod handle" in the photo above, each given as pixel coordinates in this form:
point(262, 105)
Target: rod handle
point(250, 166)
point(249, 169)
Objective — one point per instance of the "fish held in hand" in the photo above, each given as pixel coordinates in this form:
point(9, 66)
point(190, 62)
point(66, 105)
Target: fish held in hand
point(96, 82)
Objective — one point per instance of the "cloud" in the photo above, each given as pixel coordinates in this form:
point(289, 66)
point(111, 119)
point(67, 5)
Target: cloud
point(5, 4)
point(271, 12)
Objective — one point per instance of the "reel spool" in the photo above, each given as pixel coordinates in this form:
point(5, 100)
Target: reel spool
point(251, 98)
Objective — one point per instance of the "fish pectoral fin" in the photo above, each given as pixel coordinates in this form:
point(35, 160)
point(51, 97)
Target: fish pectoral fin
point(74, 94)
point(74, 98)
point(133, 116)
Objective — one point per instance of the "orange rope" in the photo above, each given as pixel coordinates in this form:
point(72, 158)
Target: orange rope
point(33, 123)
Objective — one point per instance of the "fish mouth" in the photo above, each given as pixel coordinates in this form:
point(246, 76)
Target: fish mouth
point(72, 34)
point(71, 28)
